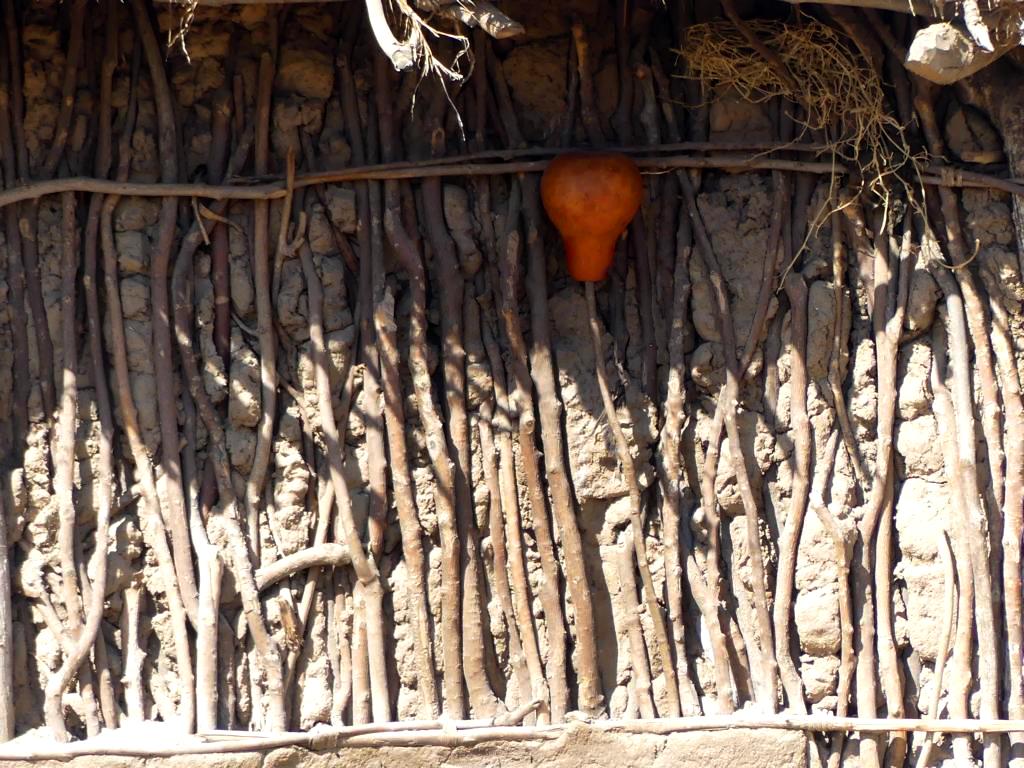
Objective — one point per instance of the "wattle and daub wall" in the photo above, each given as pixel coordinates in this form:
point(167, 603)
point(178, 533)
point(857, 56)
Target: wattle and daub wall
point(434, 323)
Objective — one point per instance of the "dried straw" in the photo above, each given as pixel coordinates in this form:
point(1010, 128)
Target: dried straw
point(840, 94)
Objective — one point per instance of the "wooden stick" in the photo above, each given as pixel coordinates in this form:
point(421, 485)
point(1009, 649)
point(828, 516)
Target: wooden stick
point(29, 223)
point(510, 268)
point(972, 517)
point(453, 357)
point(407, 735)
point(629, 472)
point(363, 566)
point(405, 502)
point(949, 606)
point(641, 670)
point(19, 334)
point(264, 314)
point(260, 189)
point(339, 618)
point(211, 566)
point(888, 327)
point(172, 492)
point(960, 674)
point(131, 651)
point(588, 111)
point(796, 290)
point(978, 325)
point(542, 370)
point(64, 470)
point(842, 549)
point(220, 256)
point(730, 393)
point(520, 585)
point(15, 263)
point(324, 502)
point(150, 518)
point(703, 592)
point(207, 645)
point(317, 556)
point(7, 716)
point(378, 510)
point(235, 550)
point(488, 451)
point(1013, 500)
point(361, 694)
point(419, 369)
point(670, 472)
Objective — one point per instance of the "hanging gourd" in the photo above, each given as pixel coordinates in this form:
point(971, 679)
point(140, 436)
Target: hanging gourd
point(591, 197)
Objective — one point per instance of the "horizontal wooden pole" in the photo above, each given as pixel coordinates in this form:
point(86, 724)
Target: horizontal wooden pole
point(474, 165)
point(468, 733)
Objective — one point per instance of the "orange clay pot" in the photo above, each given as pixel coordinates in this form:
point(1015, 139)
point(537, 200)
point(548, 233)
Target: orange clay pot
point(591, 197)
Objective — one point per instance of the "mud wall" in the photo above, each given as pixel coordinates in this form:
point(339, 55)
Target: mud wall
point(256, 484)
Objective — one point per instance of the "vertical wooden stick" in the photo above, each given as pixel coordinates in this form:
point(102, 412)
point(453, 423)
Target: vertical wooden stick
point(796, 290)
point(453, 353)
point(1013, 500)
point(949, 607)
point(405, 248)
point(7, 721)
point(488, 450)
point(264, 315)
point(960, 675)
point(173, 498)
point(520, 585)
point(549, 586)
point(64, 463)
point(641, 678)
point(670, 471)
point(636, 521)
point(405, 502)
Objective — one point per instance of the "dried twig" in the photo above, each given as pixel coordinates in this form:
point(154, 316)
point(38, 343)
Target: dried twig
point(970, 305)
point(640, 680)
point(549, 406)
point(220, 252)
point(319, 555)
point(15, 264)
point(888, 326)
point(234, 548)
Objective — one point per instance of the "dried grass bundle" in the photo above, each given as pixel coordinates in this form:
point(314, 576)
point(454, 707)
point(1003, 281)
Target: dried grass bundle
point(840, 94)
